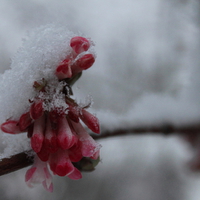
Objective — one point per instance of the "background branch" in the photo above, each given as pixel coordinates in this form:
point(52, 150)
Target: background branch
point(21, 160)
point(165, 130)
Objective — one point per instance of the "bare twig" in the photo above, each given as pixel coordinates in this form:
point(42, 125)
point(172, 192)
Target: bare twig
point(15, 162)
point(21, 160)
point(165, 130)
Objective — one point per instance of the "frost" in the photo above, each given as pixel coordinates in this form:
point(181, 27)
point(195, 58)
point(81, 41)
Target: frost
point(53, 94)
point(20, 144)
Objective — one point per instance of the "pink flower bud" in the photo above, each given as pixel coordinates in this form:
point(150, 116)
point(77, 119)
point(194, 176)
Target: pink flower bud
point(75, 153)
point(36, 109)
point(60, 163)
point(89, 147)
point(96, 155)
point(64, 69)
point(25, 121)
point(29, 174)
point(43, 154)
point(64, 134)
point(38, 134)
point(50, 140)
point(79, 44)
point(82, 63)
point(90, 121)
point(73, 113)
point(11, 127)
point(85, 62)
point(39, 173)
point(75, 175)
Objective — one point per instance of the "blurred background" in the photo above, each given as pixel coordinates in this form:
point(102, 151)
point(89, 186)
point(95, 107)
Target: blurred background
point(146, 72)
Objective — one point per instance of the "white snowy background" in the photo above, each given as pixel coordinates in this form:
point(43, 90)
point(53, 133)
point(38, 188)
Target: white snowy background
point(147, 72)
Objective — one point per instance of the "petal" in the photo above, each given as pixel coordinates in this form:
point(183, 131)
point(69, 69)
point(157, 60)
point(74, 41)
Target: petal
point(85, 62)
point(36, 142)
point(36, 109)
point(60, 163)
point(50, 140)
point(64, 135)
point(43, 154)
point(25, 121)
point(75, 152)
point(89, 146)
point(73, 113)
point(79, 44)
point(46, 187)
point(29, 174)
point(96, 155)
point(38, 134)
point(75, 175)
point(51, 144)
point(39, 173)
point(90, 121)
point(11, 127)
point(64, 69)
point(48, 180)
point(82, 63)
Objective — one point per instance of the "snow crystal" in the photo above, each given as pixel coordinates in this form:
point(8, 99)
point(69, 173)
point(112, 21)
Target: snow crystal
point(53, 96)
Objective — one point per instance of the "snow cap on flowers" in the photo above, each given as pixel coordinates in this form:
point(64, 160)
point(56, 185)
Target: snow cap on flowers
point(40, 54)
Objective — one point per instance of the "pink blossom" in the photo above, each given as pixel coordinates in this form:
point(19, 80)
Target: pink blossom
point(90, 121)
point(24, 121)
point(39, 173)
point(38, 134)
point(50, 141)
point(53, 122)
point(65, 137)
point(89, 147)
point(60, 163)
point(64, 69)
point(10, 126)
point(79, 44)
point(75, 175)
point(36, 109)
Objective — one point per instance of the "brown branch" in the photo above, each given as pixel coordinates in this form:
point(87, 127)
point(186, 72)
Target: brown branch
point(164, 130)
point(21, 160)
point(15, 162)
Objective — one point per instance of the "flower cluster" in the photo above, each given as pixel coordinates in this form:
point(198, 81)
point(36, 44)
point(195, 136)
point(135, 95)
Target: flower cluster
point(53, 121)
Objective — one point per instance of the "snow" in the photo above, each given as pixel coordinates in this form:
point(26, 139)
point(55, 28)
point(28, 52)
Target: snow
point(38, 57)
point(146, 73)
